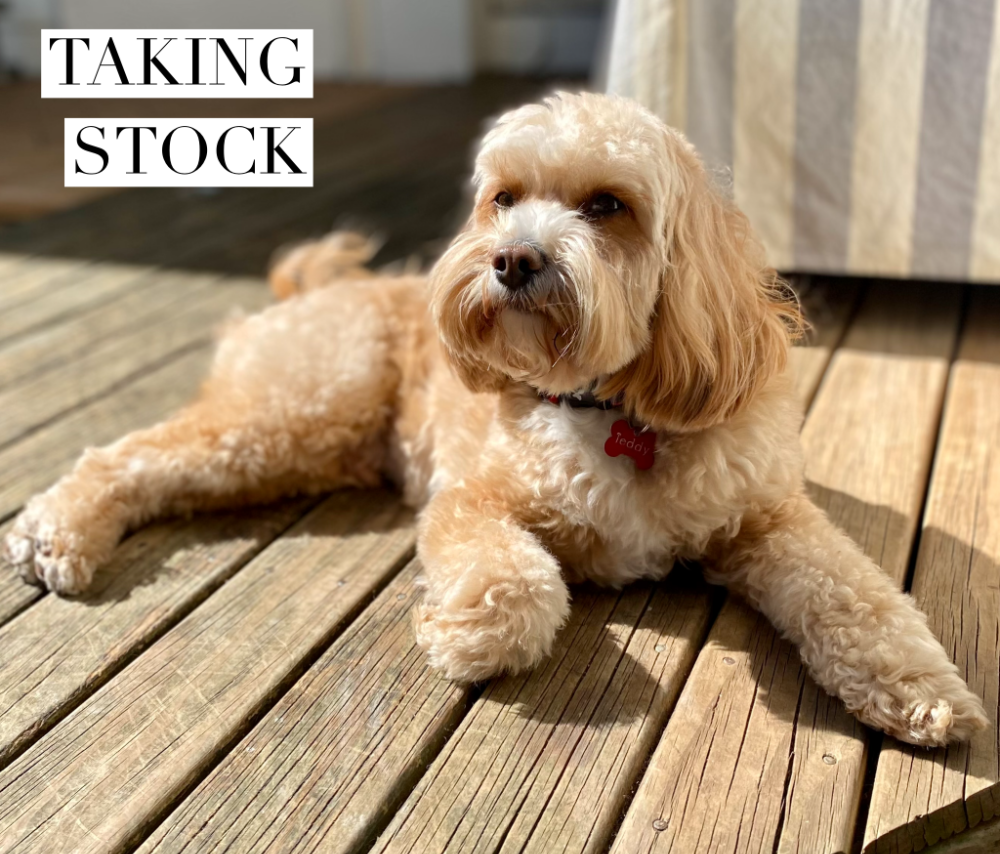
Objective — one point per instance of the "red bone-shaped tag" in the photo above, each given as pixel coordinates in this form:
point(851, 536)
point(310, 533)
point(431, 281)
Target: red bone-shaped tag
point(640, 447)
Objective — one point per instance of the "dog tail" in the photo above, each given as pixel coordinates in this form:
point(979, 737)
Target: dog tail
point(318, 263)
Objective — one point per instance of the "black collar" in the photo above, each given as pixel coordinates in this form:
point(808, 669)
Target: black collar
point(641, 437)
point(584, 400)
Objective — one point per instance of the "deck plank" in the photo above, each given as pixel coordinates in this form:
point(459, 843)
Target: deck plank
point(122, 758)
point(921, 797)
point(749, 722)
point(545, 761)
point(60, 651)
point(38, 399)
point(828, 305)
point(137, 309)
point(65, 290)
point(25, 277)
point(330, 763)
point(10, 261)
point(38, 460)
point(15, 595)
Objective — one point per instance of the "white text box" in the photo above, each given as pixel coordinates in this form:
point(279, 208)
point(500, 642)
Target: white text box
point(188, 152)
point(177, 63)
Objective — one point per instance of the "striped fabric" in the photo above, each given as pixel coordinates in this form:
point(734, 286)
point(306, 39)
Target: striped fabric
point(862, 136)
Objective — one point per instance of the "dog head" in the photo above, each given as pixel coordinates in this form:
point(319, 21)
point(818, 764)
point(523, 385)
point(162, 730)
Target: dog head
point(599, 251)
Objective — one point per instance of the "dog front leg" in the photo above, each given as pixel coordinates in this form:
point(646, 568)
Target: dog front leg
point(861, 638)
point(494, 597)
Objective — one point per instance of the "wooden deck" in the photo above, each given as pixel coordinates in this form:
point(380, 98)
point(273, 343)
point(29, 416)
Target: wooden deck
point(250, 682)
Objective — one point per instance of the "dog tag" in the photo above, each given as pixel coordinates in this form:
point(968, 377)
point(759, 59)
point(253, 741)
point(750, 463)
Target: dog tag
point(641, 447)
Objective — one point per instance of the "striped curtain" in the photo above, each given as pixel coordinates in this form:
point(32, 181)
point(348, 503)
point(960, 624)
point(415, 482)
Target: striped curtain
point(861, 137)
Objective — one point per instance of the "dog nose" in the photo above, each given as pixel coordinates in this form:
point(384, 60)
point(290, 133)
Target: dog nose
point(514, 265)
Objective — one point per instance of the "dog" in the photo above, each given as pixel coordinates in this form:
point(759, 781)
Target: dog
point(591, 384)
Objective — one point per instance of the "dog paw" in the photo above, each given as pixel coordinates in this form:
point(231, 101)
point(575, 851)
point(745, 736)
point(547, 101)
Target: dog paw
point(510, 630)
point(47, 552)
point(950, 714)
point(941, 722)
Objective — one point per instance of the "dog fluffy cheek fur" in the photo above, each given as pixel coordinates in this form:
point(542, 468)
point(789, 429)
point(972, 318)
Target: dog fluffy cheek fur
point(464, 320)
point(590, 318)
point(494, 598)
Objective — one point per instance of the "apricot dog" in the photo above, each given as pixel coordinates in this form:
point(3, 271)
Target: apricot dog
point(590, 385)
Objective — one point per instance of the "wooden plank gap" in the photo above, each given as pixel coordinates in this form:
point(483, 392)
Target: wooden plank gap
point(546, 761)
point(329, 765)
point(829, 305)
point(62, 650)
point(114, 363)
point(868, 441)
point(921, 798)
point(120, 761)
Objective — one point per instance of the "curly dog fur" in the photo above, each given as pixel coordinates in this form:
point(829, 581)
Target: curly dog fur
point(599, 256)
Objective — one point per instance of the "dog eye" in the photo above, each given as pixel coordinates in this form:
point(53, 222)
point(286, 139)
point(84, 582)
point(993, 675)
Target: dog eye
point(602, 205)
point(504, 200)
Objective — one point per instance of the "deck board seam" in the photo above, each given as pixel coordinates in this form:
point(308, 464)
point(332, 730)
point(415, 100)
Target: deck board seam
point(201, 343)
point(787, 788)
point(607, 687)
point(133, 653)
point(142, 280)
point(147, 322)
point(251, 720)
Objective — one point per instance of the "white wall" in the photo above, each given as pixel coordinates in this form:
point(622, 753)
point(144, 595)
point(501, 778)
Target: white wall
point(539, 37)
point(390, 40)
point(429, 40)
point(328, 18)
point(20, 32)
point(399, 40)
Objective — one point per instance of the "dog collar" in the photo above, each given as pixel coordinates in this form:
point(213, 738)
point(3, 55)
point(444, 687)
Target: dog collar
point(637, 443)
point(584, 400)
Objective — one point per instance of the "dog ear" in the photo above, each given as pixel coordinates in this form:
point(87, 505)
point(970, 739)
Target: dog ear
point(723, 320)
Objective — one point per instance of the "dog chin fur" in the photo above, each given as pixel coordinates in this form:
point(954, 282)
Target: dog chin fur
point(665, 300)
